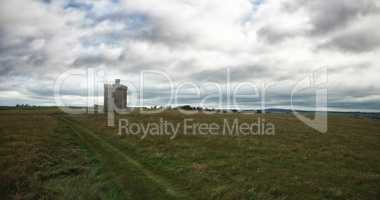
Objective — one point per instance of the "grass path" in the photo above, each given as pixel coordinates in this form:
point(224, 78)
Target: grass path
point(139, 182)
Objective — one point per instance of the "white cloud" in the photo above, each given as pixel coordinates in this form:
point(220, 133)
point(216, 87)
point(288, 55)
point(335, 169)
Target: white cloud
point(272, 40)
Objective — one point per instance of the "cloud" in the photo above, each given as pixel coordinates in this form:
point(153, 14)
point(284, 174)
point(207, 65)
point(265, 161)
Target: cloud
point(358, 38)
point(236, 74)
point(327, 16)
point(322, 19)
point(353, 42)
point(272, 35)
point(278, 41)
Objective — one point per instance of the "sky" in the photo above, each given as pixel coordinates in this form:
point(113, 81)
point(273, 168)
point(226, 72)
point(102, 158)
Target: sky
point(191, 46)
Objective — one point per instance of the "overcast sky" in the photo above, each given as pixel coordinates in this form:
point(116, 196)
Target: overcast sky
point(259, 41)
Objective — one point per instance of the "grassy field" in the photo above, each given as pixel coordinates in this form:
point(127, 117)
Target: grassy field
point(45, 154)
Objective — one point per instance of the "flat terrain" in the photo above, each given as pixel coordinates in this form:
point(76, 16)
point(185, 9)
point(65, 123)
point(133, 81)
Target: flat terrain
point(45, 154)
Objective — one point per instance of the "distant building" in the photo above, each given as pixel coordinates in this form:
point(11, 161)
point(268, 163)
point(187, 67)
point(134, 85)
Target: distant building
point(116, 92)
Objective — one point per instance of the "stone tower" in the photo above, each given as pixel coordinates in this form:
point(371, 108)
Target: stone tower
point(117, 93)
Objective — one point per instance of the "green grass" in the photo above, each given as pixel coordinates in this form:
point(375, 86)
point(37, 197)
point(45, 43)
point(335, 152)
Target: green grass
point(138, 181)
point(41, 158)
point(50, 155)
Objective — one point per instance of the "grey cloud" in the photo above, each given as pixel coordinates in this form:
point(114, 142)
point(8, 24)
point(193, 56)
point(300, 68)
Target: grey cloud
point(356, 68)
point(238, 73)
point(94, 61)
point(328, 16)
point(22, 43)
point(151, 39)
point(156, 92)
point(133, 64)
point(158, 30)
point(49, 92)
point(271, 35)
point(143, 26)
point(360, 92)
point(356, 42)
point(20, 58)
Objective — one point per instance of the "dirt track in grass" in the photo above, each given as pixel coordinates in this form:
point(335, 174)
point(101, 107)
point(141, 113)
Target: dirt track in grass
point(140, 182)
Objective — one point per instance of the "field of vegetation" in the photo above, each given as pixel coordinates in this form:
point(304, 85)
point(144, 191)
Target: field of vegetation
point(46, 154)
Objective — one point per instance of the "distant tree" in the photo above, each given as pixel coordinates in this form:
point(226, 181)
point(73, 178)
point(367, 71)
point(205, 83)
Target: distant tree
point(186, 107)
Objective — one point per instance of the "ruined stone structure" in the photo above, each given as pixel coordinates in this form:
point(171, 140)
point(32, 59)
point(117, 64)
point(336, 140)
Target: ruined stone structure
point(117, 93)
